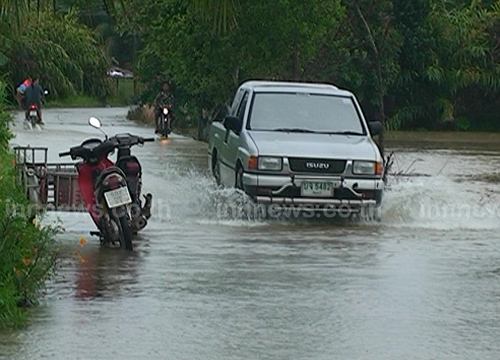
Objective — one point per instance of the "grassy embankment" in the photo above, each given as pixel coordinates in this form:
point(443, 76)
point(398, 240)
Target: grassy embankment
point(461, 140)
point(123, 95)
point(27, 251)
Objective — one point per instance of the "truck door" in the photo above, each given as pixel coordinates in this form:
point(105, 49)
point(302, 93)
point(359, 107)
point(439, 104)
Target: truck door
point(232, 143)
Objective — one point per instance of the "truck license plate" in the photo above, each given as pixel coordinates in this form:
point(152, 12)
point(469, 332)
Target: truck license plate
point(317, 189)
point(118, 197)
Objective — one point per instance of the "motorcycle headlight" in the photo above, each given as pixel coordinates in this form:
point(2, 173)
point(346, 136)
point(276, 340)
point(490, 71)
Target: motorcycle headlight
point(270, 163)
point(165, 111)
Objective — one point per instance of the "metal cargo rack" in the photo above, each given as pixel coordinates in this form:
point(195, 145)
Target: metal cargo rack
point(51, 186)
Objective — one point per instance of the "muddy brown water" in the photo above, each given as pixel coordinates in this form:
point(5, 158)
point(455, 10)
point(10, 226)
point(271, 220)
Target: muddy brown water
point(203, 284)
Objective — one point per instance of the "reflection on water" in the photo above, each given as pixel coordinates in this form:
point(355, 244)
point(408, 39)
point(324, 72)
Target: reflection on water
point(421, 284)
point(106, 272)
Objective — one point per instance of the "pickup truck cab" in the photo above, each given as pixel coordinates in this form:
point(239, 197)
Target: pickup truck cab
point(298, 145)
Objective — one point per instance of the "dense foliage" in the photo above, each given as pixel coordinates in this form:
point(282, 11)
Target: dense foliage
point(27, 252)
point(67, 55)
point(417, 64)
point(414, 64)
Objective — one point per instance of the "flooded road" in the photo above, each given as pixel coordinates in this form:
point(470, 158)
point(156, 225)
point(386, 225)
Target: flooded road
point(203, 284)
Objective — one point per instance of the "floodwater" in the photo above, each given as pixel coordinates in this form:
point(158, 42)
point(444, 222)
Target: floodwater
point(205, 283)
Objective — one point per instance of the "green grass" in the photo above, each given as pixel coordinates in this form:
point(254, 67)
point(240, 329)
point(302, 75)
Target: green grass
point(77, 101)
point(123, 95)
point(444, 139)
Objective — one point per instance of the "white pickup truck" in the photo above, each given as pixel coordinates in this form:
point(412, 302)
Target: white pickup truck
point(298, 145)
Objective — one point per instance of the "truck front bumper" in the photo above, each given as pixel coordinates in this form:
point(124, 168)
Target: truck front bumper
point(349, 194)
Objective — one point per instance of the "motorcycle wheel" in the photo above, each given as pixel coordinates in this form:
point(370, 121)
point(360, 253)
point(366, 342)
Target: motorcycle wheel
point(125, 231)
point(34, 124)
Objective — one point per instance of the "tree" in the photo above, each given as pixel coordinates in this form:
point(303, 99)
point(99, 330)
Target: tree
point(455, 53)
point(371, 24)
point(222, 13)
point(273, 40)
point(66, 55)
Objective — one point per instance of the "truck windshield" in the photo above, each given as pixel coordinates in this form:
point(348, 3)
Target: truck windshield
point(303, 112)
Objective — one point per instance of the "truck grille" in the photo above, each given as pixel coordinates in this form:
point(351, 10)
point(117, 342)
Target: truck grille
point(317, 166)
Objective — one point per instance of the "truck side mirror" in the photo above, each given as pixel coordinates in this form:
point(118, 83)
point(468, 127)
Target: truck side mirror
point(375, 127)
point(233, 123)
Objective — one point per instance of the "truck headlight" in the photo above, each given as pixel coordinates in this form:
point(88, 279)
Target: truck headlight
point(367, 168)
point(270, 163)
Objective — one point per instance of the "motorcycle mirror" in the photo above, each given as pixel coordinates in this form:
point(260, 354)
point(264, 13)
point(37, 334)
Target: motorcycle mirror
point(95, 122)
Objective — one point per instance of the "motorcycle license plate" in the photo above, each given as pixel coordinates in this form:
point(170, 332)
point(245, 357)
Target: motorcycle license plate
point(33, 113)
point(118, 197)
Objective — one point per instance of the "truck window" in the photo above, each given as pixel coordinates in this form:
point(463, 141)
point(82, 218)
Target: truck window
point(322, 113)
point(242, 107)
point(236, 102)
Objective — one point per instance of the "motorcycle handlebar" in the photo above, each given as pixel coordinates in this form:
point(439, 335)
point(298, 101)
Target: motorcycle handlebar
point(129, 140)
point(105, 147)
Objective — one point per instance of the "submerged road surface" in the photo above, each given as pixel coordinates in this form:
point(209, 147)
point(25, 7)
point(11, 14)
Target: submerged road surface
point(207, 283)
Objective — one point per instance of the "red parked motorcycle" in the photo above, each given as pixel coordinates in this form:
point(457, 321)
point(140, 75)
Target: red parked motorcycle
point(104, 187)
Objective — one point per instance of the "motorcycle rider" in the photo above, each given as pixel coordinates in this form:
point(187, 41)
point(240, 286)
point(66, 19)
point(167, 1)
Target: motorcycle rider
point(164, 98)
point(20, 93)
point(33, 95)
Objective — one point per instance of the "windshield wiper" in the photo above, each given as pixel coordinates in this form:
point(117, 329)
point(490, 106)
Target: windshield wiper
point(345, 133)
point(297, 130)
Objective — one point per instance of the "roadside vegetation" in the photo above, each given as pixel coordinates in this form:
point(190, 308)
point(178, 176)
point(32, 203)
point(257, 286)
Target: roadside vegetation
point(69, 57)
point(27, 251)
point(415, 65)
point(423, 64)
point(63, 53)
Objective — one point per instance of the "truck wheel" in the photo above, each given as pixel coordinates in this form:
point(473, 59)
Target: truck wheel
point(377, 213)
point(216, 169)
point(239, 178)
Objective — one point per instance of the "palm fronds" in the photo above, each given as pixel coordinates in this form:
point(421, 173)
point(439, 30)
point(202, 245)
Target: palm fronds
point(221, 12)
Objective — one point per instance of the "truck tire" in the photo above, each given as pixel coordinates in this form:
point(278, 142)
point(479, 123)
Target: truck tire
point(216, 169)
point(239, 178)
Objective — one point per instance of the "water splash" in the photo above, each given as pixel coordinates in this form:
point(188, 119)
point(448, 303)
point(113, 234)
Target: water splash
point(439, 202)
point(194, 196)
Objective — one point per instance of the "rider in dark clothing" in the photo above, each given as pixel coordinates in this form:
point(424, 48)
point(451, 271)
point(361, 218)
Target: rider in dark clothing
point(33, 95)
point(164, 98)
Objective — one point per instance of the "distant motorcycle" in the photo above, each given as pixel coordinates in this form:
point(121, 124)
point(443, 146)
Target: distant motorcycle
point(165, 121)
point(33, 120)
point(104, 186)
